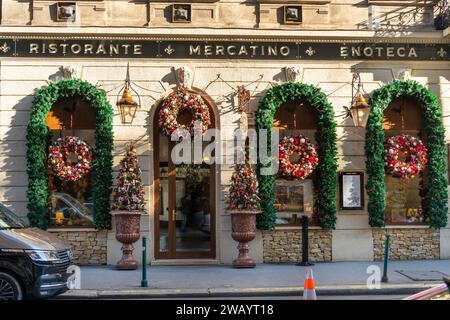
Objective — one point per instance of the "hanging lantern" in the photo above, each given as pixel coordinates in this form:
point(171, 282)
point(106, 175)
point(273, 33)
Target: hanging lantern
point(360, 111)
point(126, 105)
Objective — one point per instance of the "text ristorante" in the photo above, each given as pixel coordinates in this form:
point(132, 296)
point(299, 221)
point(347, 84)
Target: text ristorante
point(86, 48)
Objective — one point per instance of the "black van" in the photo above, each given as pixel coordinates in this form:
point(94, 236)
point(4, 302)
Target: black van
point(33, 263)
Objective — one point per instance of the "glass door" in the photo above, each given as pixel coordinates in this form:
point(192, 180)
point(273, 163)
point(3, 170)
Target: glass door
point(184, 206)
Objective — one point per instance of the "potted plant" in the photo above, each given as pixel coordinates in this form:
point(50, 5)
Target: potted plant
point(243, 206)
point(128, 206)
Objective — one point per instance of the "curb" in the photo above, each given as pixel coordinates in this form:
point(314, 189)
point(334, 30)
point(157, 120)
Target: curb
point(348, 290)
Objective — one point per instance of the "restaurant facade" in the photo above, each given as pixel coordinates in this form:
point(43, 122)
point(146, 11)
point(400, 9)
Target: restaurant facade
point(298, 68)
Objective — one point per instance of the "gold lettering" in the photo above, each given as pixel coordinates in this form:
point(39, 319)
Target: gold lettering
point(101, 49)
point(401, 52)
point(208, 50)
point(64, 47)
point(344, 51)
point(379, 50)
point(195, 50)
point(253, 50)
point(126, 47)
point(356, 51)
point(75, 48)
point(88, 48)
point(412, 53)
point(137, 49)
point(52, 48)
point(368, 51)
point(243, 50)
point(113, 49)
point(390, 52)
point(272, 50)
point(231, 50)
point(34, 48)
point(284, 50)
point(220, 50)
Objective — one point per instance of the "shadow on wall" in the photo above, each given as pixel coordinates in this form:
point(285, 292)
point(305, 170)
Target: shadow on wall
point(14, 179)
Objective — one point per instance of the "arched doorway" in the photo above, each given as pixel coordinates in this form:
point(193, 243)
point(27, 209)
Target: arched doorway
point(386, 101)
point(39, 137)
point(302, 96)
point(184, 198)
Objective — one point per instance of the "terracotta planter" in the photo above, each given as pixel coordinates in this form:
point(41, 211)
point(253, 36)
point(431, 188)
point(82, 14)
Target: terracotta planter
point(243, 231)
point(128, 224)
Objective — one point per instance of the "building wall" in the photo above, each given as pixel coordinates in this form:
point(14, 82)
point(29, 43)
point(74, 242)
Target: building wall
point(20, 78)
point(407, 244)
point(225, 19)
point(286, 246)
point(88, 247)
point(262, 14)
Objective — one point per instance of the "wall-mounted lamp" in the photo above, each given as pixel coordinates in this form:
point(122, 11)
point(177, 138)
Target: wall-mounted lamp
point(126, 104)
point(359, 109)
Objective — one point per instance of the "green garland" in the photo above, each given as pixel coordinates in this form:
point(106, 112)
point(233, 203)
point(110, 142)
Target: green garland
point(435, 133)
point(326, 170)
point(38, 139)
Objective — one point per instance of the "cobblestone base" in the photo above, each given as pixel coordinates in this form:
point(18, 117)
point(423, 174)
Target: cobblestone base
point(407, 244)
point(88, 247)
point(285, 246)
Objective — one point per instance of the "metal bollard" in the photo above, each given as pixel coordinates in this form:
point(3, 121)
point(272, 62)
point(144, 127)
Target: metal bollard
point(144, 282)
point(386, 259)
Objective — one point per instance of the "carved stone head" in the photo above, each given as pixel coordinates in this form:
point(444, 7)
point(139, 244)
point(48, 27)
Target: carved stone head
point(293, 73)
point(402, 74)
point(184, 77)
point(71, 71)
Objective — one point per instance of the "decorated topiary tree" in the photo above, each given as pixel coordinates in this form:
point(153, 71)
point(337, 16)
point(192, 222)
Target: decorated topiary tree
point(128, 194)
point(243, 205)
point(243, 193)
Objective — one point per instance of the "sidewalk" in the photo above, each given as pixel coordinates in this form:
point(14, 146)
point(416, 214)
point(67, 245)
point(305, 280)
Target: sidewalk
point(265, 279)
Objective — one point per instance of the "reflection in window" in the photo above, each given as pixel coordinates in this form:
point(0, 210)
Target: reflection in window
point(405, 199)
point(70, 202)
point(295, 197)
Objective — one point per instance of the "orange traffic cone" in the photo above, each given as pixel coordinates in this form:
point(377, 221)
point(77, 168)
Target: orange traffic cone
point(309, 290)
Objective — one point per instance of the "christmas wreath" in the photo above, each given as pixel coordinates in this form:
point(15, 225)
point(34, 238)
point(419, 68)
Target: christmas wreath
point(177, 101)
point(413, 151)
point(70, 158)
point(305, 151)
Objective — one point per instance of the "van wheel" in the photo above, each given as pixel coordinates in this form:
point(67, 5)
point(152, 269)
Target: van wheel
point(10, 288)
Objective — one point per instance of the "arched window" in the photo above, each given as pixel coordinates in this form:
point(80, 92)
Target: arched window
point(293, 197)
point(71, 201)
point(406, 201)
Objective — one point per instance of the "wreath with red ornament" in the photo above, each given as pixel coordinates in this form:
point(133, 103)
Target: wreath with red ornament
point(405, 156)
point(183, 100)
point(70, 158)
point(306, 153)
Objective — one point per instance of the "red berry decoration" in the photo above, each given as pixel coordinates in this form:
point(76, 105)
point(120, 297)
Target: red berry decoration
point(307, 157)
point(174, 103)
point(67, 169)
point(415, 156)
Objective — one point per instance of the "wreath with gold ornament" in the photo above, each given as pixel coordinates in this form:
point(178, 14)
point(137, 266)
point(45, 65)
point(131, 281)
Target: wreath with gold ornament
point(70, 158)
point(180, 100)
point(305, 152)
point(405, 156)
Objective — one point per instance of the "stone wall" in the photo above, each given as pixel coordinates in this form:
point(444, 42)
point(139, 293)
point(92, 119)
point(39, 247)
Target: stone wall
point(88, 247)
point(407, 244)
point(285, 246)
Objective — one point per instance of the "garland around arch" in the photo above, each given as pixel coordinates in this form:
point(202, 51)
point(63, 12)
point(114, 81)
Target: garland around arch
point(38, 140)
point(327, 153)
point(437, 196)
